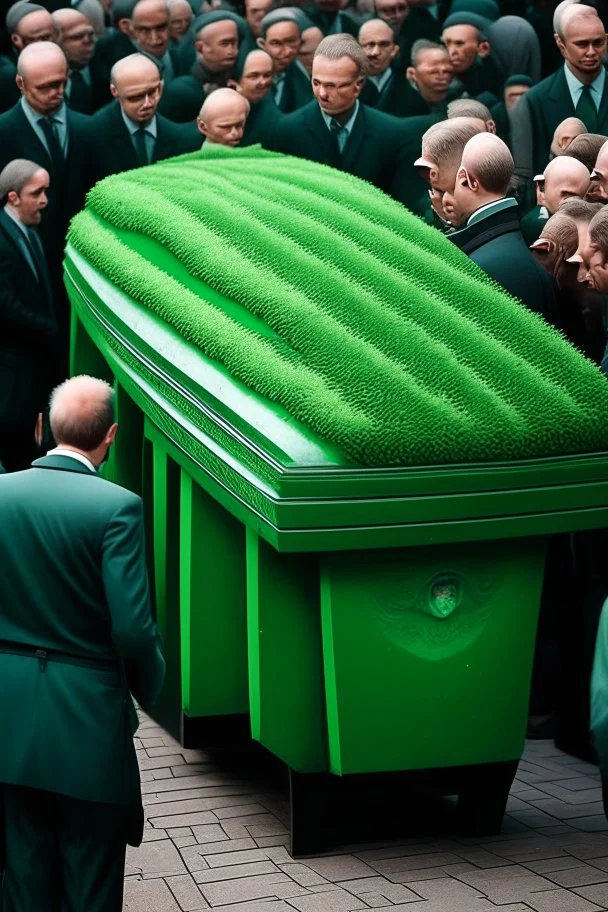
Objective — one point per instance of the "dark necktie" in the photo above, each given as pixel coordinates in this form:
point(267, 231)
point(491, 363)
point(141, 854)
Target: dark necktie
point(586, 110)
point(48, 126)
point(139, 138)
point(339, 133)
point(79, 93)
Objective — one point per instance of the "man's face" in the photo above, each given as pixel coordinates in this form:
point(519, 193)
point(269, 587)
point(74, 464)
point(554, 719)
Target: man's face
point(255, 10)
point(597, 275)
point(393, 11)
point(433, 75)
point(180, 20)
point(151, 29)
point(256, 80)
point(583, 46)
point(36, 26)
point(32, 199)
point(462, 42)
point(225, 129)
point(282, 42)
point(43, 85)
point(139, 95)
point(336, 84)
point(78, 43)
point(441, 179)
point(513, 94)
point(218, 45)
point(376, 39)
point(311, 39)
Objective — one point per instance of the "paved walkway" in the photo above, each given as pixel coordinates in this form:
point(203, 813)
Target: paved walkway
point(216, 837)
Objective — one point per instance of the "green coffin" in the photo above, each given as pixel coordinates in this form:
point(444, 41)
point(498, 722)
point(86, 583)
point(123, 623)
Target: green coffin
point(352, 446)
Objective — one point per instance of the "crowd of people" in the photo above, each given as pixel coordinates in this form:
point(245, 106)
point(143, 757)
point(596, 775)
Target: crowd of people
point(484, 117)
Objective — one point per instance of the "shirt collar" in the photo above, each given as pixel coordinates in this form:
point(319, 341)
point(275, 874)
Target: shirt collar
point(34, 116)
point(381, 80)
point(13, 215)
point(348, 126)
point(133, 127)
point(575, 86)
point(79, 457)
point(507, 202)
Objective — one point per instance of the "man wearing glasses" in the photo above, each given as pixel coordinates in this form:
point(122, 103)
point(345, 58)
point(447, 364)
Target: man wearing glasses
point(337, 129)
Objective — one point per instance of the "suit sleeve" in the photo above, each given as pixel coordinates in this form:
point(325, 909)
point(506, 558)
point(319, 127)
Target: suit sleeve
point(126, 586)
point(15, 317)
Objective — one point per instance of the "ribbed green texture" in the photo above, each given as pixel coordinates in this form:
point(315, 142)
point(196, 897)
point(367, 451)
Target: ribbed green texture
point(370, 327)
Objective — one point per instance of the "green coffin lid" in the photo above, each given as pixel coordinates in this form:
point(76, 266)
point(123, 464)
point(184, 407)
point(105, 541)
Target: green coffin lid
point(352, 340)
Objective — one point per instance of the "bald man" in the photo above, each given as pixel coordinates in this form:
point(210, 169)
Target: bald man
point(577, 89)
point(131, 133)
point(180, 20)
point(217, 38)
point(377, 39)
point(222, 118)
point(281, 37)
point(489, 227)
point(442, 147)
point(311, 39)
point(41, 128)
point(253, 81)
point(564, 133)
point(25, 23)
point(85, 90)
point(600, 172)
point(77, 640)
point(150, 34)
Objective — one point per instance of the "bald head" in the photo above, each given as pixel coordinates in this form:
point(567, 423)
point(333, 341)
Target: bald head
point(75, 35)
point(488, 160)
point(82, 416)
point(565, 133)
point(375, 27)
point(135, 81)
point(42, 72)
point(558, 242)
point(564, 177)
point(377, 39)
point(311, 39)
point(180, 18)
point(150, 26)
point(36, 25)
point(570, 17)
point(223, 116)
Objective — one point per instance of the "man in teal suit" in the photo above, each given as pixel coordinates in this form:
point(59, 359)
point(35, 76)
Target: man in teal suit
point(76, 638)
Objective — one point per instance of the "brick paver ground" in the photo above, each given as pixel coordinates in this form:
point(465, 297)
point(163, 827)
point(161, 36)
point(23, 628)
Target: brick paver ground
point(216, 837)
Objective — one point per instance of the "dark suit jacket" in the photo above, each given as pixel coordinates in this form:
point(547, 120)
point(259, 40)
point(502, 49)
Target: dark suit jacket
point(398, 97)
point(496, 244)
point(67, 190)
point(374, 151)
point(28, 333)
point(68, 727)
point(115, 152)
point(261, 121)
point(418, 24)
point(535, 117)
point(297, 90)
point(349, 22)
point(9, 93)
point(86, 99)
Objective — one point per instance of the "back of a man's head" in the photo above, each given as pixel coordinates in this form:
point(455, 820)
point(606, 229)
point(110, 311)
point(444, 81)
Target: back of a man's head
point(473, 110)
point(598, 232)
point(580, 210)
point(81, 412)
point(443, 143)
point(488, 159)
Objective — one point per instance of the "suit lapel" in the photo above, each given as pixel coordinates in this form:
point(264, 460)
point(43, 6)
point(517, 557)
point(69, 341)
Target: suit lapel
point(559, 101)
point(18, 241)
point(355, 140)
point(123, 149)
point(38, 151)
point(322, 137)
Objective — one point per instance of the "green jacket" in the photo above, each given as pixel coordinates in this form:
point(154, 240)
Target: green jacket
point(74, 585)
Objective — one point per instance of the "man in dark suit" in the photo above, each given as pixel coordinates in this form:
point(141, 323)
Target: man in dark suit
point(76, 638)
point(217, 37)
point(253, 81)
point(42, 129)
point(222, 118)
point(409, 24)
point(281, 37)
point(336, 129)
point(116, 43)
point(85, 91)
point(28, 329)
point(579, 88)
point(150, 32)
point(334, 17)
point(25, 23)
point(489, 225)
point(133, 133)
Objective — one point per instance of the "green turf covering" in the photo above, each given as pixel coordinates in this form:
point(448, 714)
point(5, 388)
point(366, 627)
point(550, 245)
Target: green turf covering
point(320, 293)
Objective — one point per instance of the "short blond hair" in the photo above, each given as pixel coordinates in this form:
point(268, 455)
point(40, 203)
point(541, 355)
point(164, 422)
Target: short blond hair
point(334, 47)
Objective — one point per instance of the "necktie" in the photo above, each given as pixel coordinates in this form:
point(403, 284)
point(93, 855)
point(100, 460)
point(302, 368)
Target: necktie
point(48, 126)
point(139, 139)
point(35, 246)
point(79, 93)
point(339, 133)
point(586, 110)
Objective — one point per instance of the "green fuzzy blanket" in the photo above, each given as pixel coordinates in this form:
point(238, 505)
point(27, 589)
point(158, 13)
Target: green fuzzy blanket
point(320, 293)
